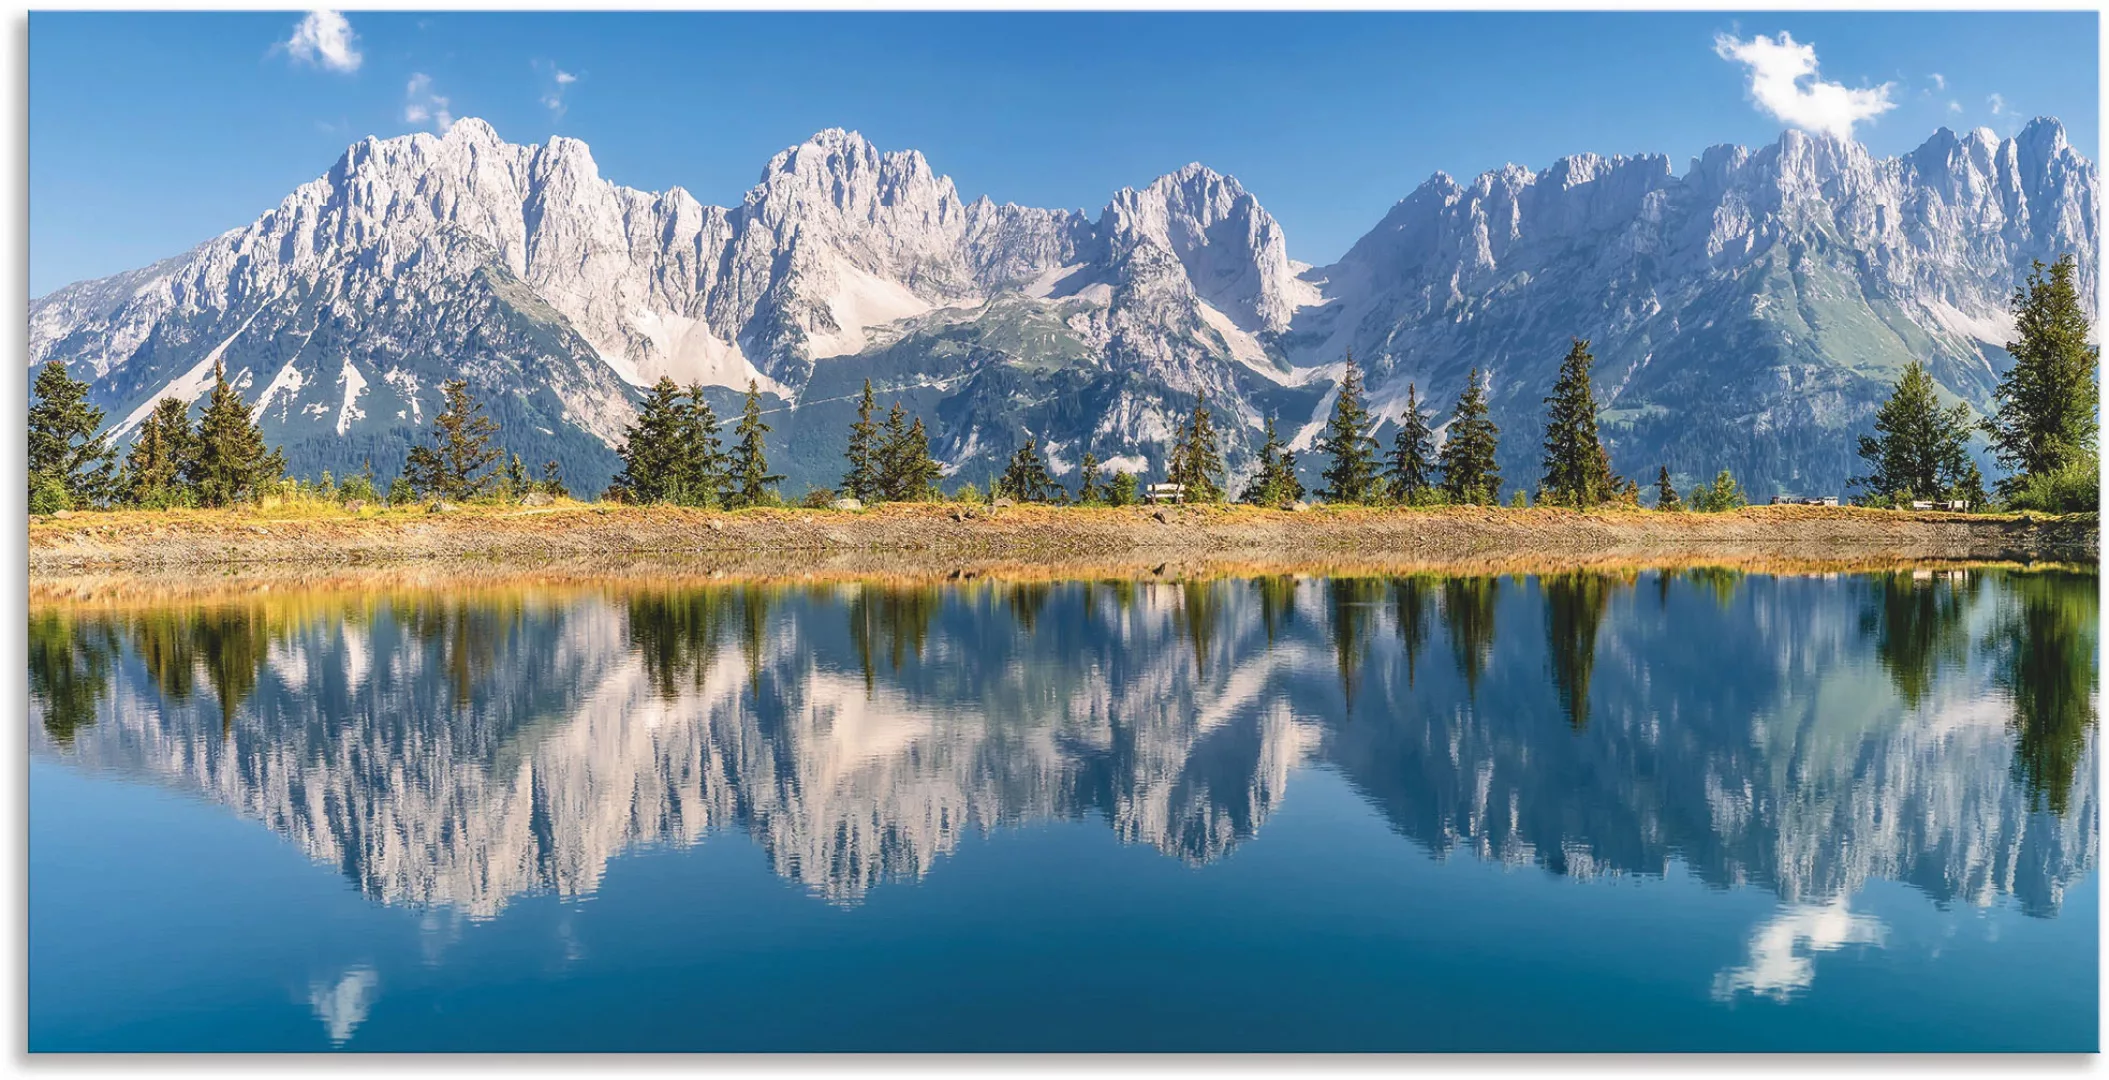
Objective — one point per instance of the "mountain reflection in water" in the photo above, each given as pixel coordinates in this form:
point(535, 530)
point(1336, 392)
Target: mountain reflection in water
point(1802, 734)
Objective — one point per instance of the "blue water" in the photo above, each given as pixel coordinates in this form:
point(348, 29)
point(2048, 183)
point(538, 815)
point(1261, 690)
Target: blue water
point(1618, 812)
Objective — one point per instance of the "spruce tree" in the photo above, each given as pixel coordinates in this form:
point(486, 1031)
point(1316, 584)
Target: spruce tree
point(1275, 484)
point(1026, 478)
point(1920, 450)
point(1087, 491)
point(231, 464)
point(750, 478)
point(459, 463)
point(1352, 476)
point(68, 460)
point(654, 456)
point(1666, 492)
point(515, 478)
point(907, 472)
point(161, 456)
point(1197, 458)
point(552, 483)
point(1412, 466)
point(861, 482)
point(1576, 473)
point(1120, 491)
point(706, 465)
point(2045, 420)
point(1469, 471)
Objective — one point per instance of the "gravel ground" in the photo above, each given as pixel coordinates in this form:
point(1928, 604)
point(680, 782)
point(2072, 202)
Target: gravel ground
point(937, 538)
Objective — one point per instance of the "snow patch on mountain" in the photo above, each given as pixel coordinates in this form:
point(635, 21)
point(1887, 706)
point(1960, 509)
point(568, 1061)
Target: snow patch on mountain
point(354, 385)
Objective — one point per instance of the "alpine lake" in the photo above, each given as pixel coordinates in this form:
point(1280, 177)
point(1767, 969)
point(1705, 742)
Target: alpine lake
point(1628, 809)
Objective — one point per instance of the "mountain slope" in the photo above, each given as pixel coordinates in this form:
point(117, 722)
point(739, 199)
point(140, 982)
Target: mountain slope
point(1745, 315)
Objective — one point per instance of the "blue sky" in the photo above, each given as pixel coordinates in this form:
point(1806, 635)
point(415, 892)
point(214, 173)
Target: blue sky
point(150, 133)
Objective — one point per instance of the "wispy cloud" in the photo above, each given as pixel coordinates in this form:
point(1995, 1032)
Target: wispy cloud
point(1998, 104)
point(1940, 81)
point(559, 81)
point(325, 39)
point(421, 105)
point(1955, 106)
point(1784, 83)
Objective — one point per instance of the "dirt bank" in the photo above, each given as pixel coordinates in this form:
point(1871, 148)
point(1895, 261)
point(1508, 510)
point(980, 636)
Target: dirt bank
point(936, 536)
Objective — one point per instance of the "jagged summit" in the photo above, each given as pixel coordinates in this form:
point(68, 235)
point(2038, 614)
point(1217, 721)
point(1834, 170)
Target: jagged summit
point(1744, 313)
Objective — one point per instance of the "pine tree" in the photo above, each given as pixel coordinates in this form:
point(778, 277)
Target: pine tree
point(67, 458)
point(1666, 492)
point(1921, 450)
point(861, 482)
point(750, 477)
point(1087, 491)
point(2046, 419)
point(653, 454)
point(515, 478)
point(552, 483)
point(1120, 491)
point(1275, 484)
point(1352, 476)
point(1576, 473)
point(459, 463)
point(1721, 495)
point(161, 456)
point(906, 471)
point(231, 464)
point(1026, 478)
point(1412, 468)
point(705, 464)
point(1197, 458)
point(1469, 471)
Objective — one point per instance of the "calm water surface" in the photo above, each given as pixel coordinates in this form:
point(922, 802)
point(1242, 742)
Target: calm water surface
point(1624, 811)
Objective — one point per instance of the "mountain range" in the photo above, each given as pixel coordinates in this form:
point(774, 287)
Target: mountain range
point(1747, 314)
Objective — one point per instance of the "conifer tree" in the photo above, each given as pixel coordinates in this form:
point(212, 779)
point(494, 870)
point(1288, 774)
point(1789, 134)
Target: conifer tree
point(2045, 420)
point(1469, 471)
point(1026, 478)
point(1666, 492)
point(1120, 491)
point(861, 482)
point(68, 460)
point(1087, 491)
point(1576, 473)
point(1920, 449)
point(704, 453)
point(906, 471)
point(1412, 466)
point(1352, 476)
point(1275, 484)
point(1197, 458)
point(231, 464)
point(750, 477)
point(552, 483)
point(515, 478)
point(459, 462)
point(654, 456)
point(161, 456)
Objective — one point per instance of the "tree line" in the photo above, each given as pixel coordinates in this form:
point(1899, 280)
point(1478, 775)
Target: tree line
point(2043, 431)
point(221, 459)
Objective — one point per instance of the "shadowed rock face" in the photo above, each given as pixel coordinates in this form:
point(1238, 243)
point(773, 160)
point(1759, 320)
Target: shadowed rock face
point(1803, 735)
point(1748, 313)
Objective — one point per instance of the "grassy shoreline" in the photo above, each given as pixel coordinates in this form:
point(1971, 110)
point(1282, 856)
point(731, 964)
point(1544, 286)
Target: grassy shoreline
point(919, 537)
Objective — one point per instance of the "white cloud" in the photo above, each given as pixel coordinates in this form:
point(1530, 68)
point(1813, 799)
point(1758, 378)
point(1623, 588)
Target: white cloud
point(1783, 82)
point(422, 106)
point(326, 40)
point(1998, 104)
point(559, 81)
point(1955, 106)
point(1783, 948)
point(1940, 81)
